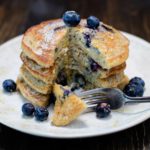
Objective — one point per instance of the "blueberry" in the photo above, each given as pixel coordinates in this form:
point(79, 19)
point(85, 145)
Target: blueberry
point(28, 109)
point(93, 22)
point(9, 85)
point(66, 93)
point(94, 66)
point(102, 110)
point(87, 38)
point(41, 113)
point(80, 80)
point(134, 90)
point(71, 18)
point(137, 80)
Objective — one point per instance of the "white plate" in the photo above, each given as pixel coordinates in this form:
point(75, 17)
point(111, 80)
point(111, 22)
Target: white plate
point(86, 125)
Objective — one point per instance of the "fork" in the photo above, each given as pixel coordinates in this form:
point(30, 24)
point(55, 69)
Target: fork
point(113, 96)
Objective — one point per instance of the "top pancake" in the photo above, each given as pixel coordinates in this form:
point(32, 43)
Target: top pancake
point(40, 42)
point(108, 47)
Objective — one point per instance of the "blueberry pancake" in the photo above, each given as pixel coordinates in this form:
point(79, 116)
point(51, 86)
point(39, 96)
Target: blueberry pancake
point(105, 45)
point(35, 83)
point(33, 96)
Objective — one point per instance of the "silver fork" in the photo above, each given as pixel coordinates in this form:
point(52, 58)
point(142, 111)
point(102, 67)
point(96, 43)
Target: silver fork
point(113, 96)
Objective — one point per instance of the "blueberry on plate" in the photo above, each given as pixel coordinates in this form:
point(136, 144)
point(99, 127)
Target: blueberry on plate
point(9, 85)
point(41, 113)
point(137, 80)
point(93, 22)
point(71, 18)
point(103, 110)
point(28, 109)
point(134, 90)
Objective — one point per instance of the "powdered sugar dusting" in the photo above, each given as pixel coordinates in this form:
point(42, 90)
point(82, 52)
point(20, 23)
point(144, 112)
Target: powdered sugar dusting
point(47, 33)
point(48, 30)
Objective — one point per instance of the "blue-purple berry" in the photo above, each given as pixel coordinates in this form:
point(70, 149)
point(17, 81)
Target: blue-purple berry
point(71, 18)
point(103, 110)
point(41, 113)
point(93, 22)
point(137, 80)
point(134, 90)
point(9, 85)
point(28, 109)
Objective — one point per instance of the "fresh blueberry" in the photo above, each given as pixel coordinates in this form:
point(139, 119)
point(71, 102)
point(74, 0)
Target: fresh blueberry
point(9, 85)
point(134, 90)
point(28, 109)
point(71, 18)
point(137, 80)
point(93, 22)
point(102, 110)
point(80, 80)
point(66, 93)
point(87, 38)
point(94, 66)
point(41, 113)
point(61, 79)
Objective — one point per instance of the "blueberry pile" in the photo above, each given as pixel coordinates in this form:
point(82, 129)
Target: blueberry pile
point(9, 85)
point(40, 113)
point(135, 87)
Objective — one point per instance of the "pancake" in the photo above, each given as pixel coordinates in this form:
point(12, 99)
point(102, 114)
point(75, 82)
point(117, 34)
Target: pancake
point(106, 46)
point(83, 63)
point(45, 74)
point(31, 95)
point(73, 75)
point(66, 108)
point(41, 42)
point(123, 83)
point(34, 83)
point(110, 82)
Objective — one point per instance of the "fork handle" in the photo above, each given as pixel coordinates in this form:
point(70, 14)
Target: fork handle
point(137, 99)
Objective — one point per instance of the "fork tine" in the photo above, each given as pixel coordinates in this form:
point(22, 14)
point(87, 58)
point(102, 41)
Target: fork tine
point(94, 91)
point(93, 97)
point(95, 101)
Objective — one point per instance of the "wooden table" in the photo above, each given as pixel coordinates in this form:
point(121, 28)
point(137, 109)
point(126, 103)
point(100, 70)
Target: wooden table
point(132, 16)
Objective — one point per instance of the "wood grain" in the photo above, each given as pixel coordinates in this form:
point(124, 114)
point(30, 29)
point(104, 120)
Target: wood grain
point(132, 16)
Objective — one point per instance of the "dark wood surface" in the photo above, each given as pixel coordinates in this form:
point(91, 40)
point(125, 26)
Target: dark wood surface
point(132, 16)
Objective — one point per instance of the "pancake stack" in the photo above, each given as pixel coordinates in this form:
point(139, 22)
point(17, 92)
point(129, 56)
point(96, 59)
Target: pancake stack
point(53, 52)
point(42, 45)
